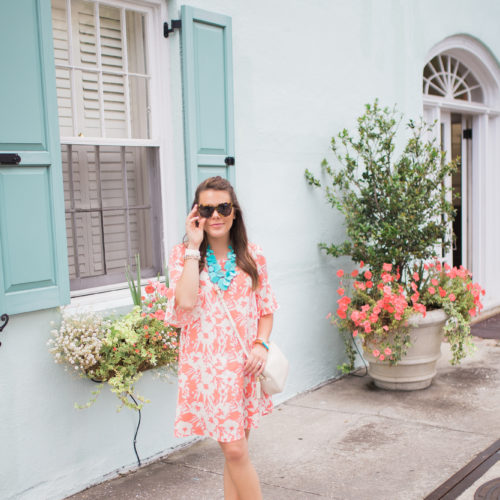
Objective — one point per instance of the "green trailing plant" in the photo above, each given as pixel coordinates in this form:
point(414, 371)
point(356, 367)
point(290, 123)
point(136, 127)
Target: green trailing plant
point(396, 210)
point(118, 350)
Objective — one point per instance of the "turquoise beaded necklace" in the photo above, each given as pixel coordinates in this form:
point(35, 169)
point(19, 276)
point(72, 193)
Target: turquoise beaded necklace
point(217, 275)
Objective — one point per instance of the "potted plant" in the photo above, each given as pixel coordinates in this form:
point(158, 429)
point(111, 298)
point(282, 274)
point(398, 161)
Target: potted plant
point(398, 217)
point(401, 325)
point(117, 350)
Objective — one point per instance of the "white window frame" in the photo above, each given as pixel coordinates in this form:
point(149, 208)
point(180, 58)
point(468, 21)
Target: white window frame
point(152, 32)
point(165, 77)
point(485, 151)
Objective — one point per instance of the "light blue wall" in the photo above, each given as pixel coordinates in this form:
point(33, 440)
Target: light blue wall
point(302, 71)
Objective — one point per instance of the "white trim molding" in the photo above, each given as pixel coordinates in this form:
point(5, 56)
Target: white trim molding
point(478, 59)
point(484, 181)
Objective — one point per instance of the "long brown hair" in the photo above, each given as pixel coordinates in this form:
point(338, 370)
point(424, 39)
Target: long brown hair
point(237, 233)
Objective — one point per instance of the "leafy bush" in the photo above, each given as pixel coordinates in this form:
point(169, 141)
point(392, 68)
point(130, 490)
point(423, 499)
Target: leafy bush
point(395, 211)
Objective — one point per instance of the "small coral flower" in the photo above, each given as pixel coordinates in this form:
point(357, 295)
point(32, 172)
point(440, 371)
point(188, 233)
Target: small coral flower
point(387, 267)
point(340, 273)
point(340, 291)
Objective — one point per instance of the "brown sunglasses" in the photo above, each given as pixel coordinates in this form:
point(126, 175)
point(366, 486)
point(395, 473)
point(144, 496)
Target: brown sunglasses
point(223, 209)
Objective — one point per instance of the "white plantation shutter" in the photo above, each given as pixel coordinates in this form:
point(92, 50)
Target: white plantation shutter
point(113, 84)
point(112, 196)
point(110, 213)
point(101, 70)
point(63, 75)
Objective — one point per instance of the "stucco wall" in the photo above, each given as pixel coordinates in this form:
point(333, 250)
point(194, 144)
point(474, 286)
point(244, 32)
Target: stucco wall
point(302, 71)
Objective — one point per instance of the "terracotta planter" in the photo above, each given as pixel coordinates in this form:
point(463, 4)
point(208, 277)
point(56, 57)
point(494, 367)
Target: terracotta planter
point(417, 369)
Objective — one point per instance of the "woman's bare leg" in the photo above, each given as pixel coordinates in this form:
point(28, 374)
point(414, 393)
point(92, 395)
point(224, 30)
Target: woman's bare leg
point(240, 478)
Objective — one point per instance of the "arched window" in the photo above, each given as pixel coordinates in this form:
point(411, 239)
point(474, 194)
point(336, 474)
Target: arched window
point(445, 76)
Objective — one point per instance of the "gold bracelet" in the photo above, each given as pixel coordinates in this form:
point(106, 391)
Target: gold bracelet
point(194, 257)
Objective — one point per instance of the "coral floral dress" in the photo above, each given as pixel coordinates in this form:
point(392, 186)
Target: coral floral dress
point(215, 398)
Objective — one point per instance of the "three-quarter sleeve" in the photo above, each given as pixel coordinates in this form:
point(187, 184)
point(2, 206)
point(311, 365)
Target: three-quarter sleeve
point(266, 300)
point(174, 315)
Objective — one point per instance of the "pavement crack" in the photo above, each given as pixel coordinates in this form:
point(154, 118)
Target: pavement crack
point(292, 489)
point(202, 469)
point(396, 419)
point(273, 485)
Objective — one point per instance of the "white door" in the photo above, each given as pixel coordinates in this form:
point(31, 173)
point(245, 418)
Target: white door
point(454, 135)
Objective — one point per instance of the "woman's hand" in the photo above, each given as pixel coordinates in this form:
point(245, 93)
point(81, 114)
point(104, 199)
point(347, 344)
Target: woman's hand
point(194, 228)
point(256, 361)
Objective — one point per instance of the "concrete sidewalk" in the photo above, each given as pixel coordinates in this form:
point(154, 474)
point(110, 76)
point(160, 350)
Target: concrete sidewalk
point(348, 440)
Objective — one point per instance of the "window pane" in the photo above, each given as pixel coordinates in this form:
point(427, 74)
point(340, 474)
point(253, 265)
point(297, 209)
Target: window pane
point(112, 179)
point(109, 192)
point(115, 119)
point(81, 178)
point(136, 45)
point(102, 89)
point(141, 236)
point(60, 31)
point(89, 243)
point(64, 101)
point(71, 246)
point(84, 33)
point(116, 240)
point(111, 38)
point(139, 107)
point(87, 86)
point(63, 74)
point(138, 181)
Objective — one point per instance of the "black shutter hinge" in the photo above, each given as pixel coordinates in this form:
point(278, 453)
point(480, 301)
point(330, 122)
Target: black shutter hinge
point(9, 159)
point(4, 318)
point(176, 24)
point(229, 161)
point(467, 133)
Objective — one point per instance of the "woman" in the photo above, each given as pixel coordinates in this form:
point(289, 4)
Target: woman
point(218, 393)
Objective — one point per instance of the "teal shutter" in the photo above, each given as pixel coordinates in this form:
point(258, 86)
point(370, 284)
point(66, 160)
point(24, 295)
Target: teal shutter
point(207, 71)
point(33, 255)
